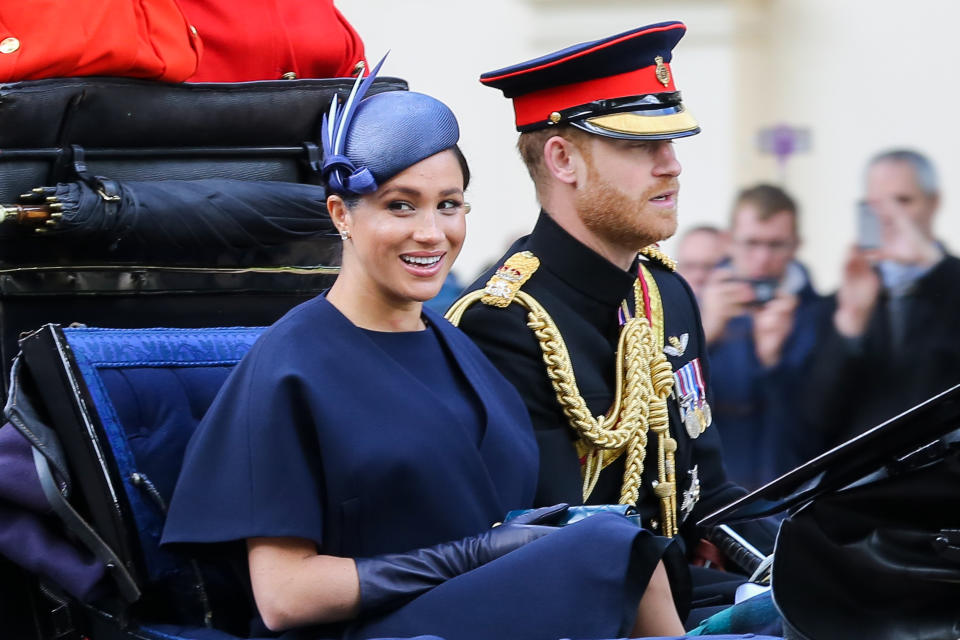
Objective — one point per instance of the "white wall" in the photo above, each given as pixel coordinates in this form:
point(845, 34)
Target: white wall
point(702, 66)
point(864, 75)
point(441, 48)
point(861, 75)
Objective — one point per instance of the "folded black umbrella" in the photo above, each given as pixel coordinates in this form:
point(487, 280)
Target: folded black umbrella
point(185, 214)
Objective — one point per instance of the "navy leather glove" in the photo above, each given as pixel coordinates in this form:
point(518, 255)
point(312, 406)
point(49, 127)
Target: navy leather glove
point(390, 580)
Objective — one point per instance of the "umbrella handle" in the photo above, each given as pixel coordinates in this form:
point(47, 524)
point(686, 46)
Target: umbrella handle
point(33, 215)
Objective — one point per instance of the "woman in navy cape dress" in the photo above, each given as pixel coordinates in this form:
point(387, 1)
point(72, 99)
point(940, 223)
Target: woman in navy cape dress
point(363, 426)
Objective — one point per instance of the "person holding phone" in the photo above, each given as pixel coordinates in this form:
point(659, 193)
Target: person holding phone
point(760, 318)
point(891, 342)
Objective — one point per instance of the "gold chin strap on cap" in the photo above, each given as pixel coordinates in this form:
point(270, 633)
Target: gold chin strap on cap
point(644, 380)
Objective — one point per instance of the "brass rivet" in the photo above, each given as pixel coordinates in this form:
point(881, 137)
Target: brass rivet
point(289, 75)
point(9, 45)
point(555, 117)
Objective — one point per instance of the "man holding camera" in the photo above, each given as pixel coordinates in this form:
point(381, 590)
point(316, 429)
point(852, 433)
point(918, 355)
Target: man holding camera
point(760, 320)
point(892, 342)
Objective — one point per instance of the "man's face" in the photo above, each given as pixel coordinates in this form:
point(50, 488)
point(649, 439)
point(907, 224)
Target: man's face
point(698, 254)
point(892, 186)
point(629, 196)
point(762, 248)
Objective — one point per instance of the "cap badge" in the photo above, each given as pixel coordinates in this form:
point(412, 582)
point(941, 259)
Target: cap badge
point(663, 74)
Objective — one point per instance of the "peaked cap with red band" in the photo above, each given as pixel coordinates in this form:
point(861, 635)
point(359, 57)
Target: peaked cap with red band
point(619, 87)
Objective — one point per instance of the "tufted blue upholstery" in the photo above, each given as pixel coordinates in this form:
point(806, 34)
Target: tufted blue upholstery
point(150, 388)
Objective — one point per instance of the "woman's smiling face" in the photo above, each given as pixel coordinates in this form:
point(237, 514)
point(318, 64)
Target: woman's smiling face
point(405, 236)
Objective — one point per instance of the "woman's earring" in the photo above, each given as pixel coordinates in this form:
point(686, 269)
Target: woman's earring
point(344, 234)
point(466, 208)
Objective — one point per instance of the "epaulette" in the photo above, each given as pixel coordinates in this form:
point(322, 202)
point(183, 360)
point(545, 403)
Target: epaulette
point(503, 286)
point(654, 253)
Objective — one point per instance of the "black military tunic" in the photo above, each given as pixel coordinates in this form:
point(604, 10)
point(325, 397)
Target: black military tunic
point(582, 292)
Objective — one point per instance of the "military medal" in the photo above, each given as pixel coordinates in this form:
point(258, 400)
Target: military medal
point(692, 423)
point(692, 394)
point(687, 417)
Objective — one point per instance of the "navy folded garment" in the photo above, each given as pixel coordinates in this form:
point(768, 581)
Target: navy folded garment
point(29, 536)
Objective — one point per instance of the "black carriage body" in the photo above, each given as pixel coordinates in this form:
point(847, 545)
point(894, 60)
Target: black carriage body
point(83, 129)
point(130, 129)
point(149, 295)
point(73, 130)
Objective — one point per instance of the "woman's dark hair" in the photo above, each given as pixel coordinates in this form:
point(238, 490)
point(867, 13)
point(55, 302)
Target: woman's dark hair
point(464, 167)
point(353, 200)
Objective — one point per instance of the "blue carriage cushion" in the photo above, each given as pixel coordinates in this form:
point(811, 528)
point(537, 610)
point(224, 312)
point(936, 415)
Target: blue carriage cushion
point(150, 388)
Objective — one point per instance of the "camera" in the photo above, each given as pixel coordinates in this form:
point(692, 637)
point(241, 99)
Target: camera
point(764, 290)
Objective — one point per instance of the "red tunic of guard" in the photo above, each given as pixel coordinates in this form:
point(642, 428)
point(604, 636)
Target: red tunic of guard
point(146, 39)
point(273, 39)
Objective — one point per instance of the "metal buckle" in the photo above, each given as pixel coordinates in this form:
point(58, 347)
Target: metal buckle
point(106, 196)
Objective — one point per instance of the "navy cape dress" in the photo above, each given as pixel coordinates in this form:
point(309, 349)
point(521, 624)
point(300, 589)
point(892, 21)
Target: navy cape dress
point(328, 432)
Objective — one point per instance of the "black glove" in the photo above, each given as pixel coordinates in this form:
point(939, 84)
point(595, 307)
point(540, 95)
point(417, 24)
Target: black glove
point(390, 580)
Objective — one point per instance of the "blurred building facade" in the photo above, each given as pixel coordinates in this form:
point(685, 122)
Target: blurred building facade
point(857, 75)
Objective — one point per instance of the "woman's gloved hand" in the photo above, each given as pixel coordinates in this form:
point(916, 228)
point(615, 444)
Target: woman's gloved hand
point(390, 580)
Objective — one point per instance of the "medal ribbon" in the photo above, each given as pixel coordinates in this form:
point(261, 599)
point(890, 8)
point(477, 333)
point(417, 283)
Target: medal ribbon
point(701, 385)
point(689, 381)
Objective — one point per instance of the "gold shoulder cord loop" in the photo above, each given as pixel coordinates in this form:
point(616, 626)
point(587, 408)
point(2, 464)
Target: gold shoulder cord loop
point(644, 380)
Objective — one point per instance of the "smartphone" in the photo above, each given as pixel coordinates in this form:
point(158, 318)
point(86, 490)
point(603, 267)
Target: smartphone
point(869, 231)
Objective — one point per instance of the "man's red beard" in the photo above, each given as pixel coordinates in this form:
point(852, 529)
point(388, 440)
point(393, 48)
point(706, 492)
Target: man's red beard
point(623, 221)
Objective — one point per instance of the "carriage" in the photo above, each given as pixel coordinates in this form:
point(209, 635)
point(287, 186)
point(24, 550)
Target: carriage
point(133, 205)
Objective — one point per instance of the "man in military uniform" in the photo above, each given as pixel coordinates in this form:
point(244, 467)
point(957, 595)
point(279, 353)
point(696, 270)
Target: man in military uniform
point(585, 316)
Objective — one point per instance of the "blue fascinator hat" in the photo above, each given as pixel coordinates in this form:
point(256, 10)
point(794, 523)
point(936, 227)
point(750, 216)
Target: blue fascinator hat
point(367, 141)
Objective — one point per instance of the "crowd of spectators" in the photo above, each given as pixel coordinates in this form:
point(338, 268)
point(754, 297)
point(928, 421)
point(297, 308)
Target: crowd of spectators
point(795, 372)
